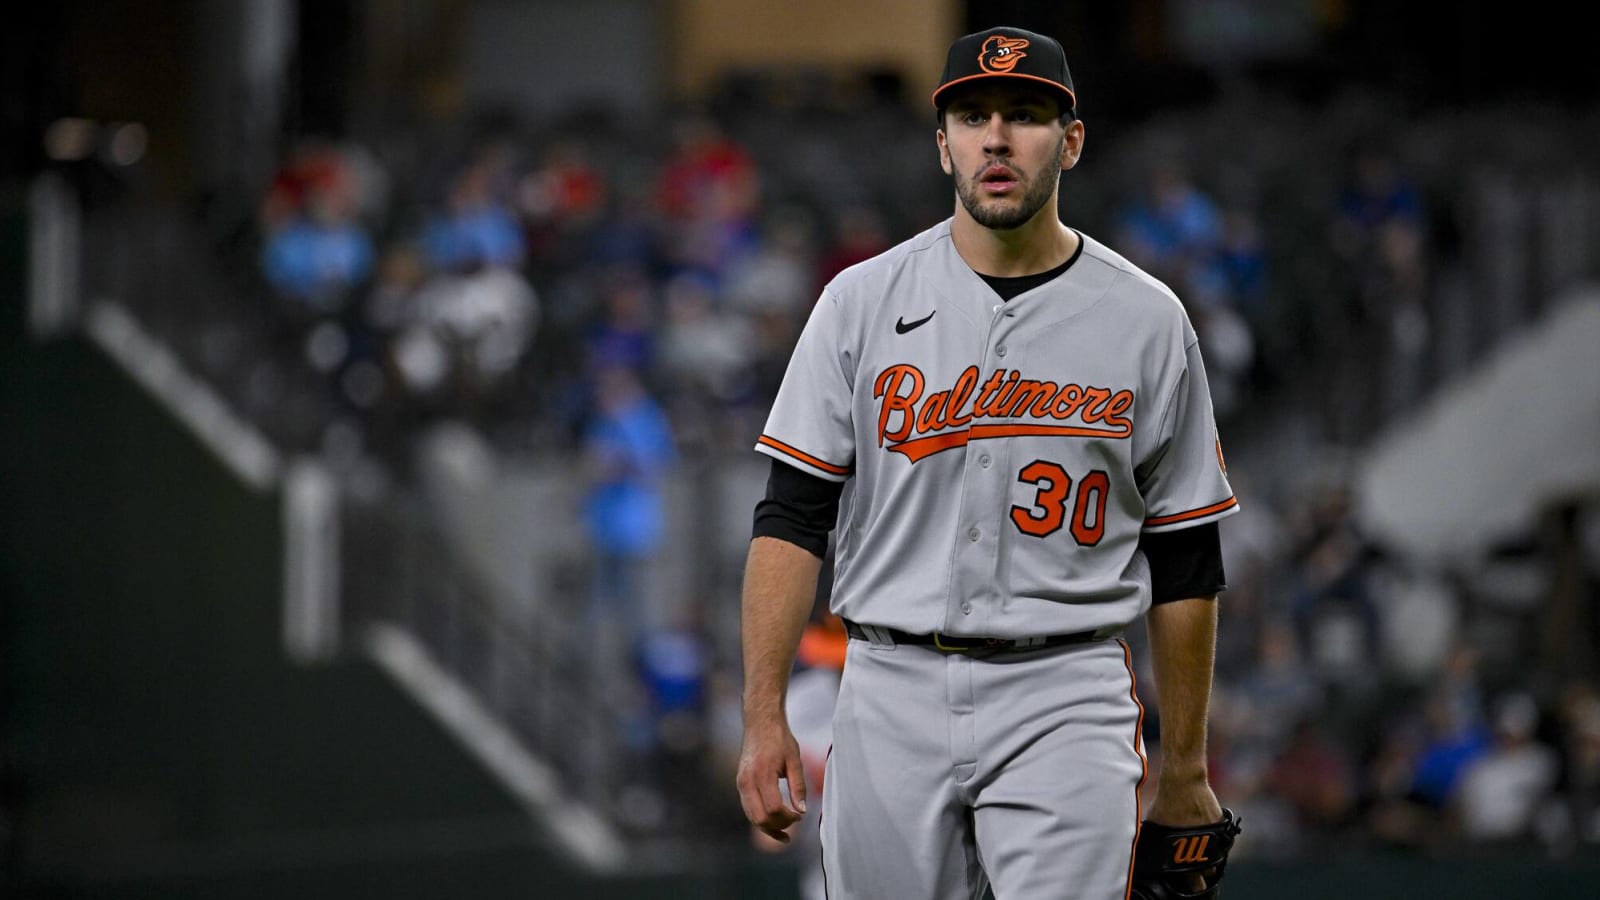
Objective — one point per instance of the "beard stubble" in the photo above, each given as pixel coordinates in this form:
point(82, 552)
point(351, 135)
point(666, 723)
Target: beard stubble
point(998, 216)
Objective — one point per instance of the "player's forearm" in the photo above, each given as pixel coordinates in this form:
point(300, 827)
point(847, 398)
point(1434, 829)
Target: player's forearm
point(1183, 641)
point(780, 584)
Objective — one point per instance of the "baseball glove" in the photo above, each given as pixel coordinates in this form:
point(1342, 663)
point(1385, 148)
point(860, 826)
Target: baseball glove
point(1182, 863)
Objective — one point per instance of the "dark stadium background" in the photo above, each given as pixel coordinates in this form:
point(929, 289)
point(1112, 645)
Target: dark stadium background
point(295, 580)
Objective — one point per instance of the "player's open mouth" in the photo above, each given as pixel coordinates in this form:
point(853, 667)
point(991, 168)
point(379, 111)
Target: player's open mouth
point(998, 179)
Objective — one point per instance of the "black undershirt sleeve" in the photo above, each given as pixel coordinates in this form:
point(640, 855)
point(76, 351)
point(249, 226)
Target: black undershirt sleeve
point(802, 509)
point(1184, 563)
point(799, 508)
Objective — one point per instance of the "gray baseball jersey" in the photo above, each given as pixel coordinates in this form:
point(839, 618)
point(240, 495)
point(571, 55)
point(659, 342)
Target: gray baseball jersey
point(1000, 459)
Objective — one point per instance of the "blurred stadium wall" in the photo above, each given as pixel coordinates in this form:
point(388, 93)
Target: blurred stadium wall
point(155, 739)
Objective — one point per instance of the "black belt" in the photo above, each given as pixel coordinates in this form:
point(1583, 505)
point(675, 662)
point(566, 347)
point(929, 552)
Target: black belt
point(954, 644)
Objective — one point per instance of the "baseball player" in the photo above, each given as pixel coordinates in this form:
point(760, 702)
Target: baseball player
point(1009, 427)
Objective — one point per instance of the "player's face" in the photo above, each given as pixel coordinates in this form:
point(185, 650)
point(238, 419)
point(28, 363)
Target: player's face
point(1005, 147)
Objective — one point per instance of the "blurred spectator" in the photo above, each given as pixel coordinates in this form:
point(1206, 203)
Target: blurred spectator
point(317, 253)
point(1233, 316)
point(628, 449)
point(1279, 692)
point(401, 271)
point(775, 336)
point(1254, 553)
point(1173, 230)
point(1455, 701)
point(1375, 196)
point(1421, 619)
point(1372, 337)
point(562, 201)
point(708, 176)
point(626, 336)
point(1229, 350)
point(673, 664)
point(859, 234)
point(1332, 605)
point(625, 238)
point(636, 686)
point(777, 278)
point(1456, 739)
point(1242, 265)
point(706, 352)
point(417, 360)
point(477, 227)
point(708, 194)
point(564, 191)
point(1503, 790)
point(484, 321)
point(664, 732)
point(1414, 778)
point(317, 166)
point(1316, 777)
point(1176, 232)
point(1396, 815)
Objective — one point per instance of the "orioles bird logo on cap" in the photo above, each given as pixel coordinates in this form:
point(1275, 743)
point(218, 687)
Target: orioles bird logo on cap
point(1001, 53)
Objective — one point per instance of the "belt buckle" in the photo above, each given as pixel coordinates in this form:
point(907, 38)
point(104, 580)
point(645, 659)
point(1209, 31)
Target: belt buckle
point(989, 644)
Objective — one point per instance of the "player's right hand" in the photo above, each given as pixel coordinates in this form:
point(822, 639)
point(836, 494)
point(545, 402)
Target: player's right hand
point(770, 755)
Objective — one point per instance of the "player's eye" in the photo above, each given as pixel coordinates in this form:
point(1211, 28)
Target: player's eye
point(974, 118)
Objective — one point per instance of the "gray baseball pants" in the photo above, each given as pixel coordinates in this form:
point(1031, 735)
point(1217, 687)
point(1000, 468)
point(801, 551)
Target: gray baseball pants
point(950, 771)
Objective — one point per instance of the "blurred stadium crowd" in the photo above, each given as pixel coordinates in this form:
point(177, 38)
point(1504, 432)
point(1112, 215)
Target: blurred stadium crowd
point(623, 295)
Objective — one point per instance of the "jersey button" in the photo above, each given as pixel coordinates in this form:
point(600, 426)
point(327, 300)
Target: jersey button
point(966, 609)
point(1000, 350)
point(974, 533)
point(984, 460)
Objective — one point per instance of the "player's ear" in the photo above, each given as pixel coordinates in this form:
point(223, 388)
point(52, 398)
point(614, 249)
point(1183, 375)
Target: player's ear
point(944, 152)
point(1072, 147)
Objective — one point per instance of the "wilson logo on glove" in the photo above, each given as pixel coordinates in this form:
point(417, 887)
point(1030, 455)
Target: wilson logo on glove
point(1182, 863)
point(1190, 849)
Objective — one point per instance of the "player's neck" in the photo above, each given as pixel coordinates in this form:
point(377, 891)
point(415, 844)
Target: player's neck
point(1038, 245)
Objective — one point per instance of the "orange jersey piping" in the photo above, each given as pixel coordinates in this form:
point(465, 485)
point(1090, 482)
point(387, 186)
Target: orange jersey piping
point(1144, 764)
point(1227, 504)
point(802, 456)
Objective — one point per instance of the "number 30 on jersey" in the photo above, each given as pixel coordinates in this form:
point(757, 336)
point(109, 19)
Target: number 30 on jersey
point(1049, 509)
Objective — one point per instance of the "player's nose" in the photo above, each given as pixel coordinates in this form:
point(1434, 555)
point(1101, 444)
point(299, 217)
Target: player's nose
point(996, 135)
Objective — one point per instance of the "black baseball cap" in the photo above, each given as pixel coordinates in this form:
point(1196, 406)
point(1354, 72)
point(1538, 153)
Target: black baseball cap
point(1007, 53)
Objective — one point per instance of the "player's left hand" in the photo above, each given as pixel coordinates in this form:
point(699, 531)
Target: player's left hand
point(1184, 803)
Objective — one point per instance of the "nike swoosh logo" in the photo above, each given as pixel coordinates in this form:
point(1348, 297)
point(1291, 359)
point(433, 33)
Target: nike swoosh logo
point(901, 326)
